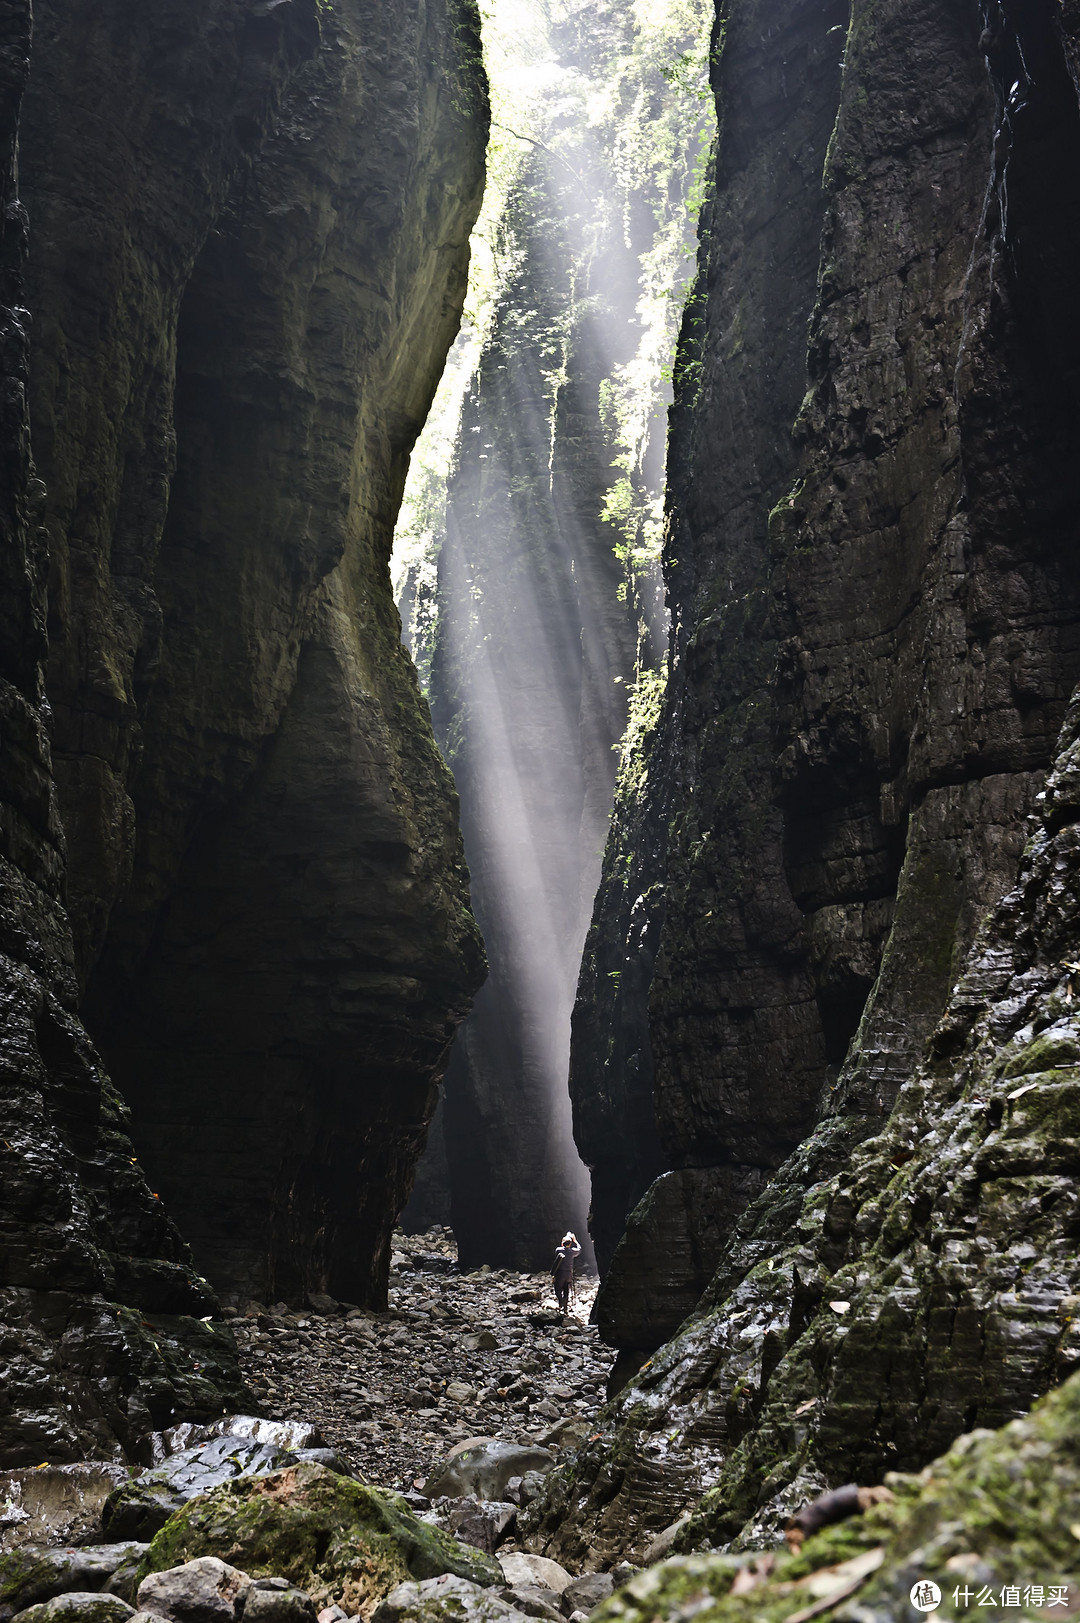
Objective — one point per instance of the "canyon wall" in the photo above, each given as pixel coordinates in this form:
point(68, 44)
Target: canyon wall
point(101, 1309)
point(228, 835)
point(245, 290)
point(871, 566)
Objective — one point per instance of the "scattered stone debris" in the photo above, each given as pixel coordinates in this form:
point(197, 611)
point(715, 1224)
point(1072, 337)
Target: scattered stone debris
point(457, 1356)
point(470, 1387)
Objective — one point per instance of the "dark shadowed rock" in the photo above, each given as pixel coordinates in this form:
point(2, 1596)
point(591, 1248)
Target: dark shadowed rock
point(480, 1523)
point(669, 1252)
point(30, 1575)
point(189, 249)
point(87, 1247)
point(273, 1600)
point(875, 593)
point(584, 1593)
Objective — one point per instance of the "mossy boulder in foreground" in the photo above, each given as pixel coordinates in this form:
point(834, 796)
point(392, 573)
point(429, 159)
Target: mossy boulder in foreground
point(346, 1544)
point(996, 1515)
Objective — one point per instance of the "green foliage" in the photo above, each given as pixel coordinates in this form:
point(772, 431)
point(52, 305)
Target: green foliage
point(646, 699)
point(600, 147)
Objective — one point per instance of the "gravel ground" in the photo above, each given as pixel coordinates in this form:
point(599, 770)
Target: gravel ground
point(457, 1355)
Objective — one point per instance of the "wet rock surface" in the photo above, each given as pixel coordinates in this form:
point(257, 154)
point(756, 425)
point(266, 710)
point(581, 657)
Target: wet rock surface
point(55, 1504)
point(884, 1295)
point(991, 1524)
point(480, 1355)
point(137, 1509)
point(864, 698)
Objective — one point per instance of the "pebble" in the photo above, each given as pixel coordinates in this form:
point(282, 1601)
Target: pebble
point(456, 1356)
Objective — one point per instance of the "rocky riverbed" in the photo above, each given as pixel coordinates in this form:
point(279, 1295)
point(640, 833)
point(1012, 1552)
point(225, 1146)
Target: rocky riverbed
point(455, 1356)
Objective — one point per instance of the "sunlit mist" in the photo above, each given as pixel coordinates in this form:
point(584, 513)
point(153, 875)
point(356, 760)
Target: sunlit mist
point(527, 559)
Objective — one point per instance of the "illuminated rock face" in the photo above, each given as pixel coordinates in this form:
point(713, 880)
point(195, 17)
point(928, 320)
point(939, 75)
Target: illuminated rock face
point(248, 251)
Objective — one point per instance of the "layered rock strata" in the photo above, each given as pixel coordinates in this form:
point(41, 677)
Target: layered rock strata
point(879, 1298)
point(101, 1338)
point(875, 598)
point(915, 623)
point(250, 256)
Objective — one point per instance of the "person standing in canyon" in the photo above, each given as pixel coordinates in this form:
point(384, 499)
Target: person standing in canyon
point(563, 1272)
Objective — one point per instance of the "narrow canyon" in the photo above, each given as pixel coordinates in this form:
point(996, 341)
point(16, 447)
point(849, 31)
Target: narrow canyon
point(539, 706)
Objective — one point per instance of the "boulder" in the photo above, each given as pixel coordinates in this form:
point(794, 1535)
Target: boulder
point(482, 1466)
point(55, 1504)
point(519, 1568)
point(124, 1579)
point(566, 1435)
point(582, 1594)
point(275, 1600)
point(481, 1523)
point(79, 1606)
point(30, 1575)
point(138, 1509)
point(343, 1543)
point(206, 1590)
point(294, 1435)
point(535, 1600)
point(436, 1599)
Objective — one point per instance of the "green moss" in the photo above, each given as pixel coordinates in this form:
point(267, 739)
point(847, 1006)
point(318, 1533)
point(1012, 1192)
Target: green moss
point(999, 1508)
point(1051, 1049)
point(347, 1544)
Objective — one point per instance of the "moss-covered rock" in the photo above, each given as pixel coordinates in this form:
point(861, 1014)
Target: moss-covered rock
point(343, 1542)
point(79, 1607)
point(31, 1574)
point(993, 1517)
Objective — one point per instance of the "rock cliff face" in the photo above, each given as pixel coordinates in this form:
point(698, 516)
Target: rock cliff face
point(875, 611)
point(239, 313)
point(99, 1301)
point(249, 258)
point(871, 563)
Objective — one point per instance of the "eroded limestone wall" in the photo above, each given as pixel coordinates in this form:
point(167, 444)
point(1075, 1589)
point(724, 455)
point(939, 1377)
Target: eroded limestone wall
point(100, 1304)
point(873, 576)
point(250, 229)
point(874, 650)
